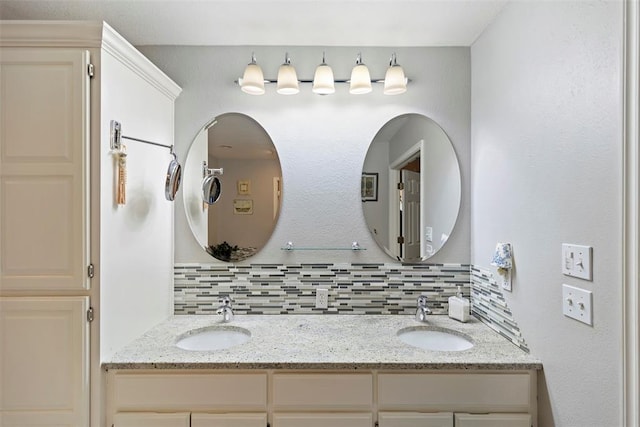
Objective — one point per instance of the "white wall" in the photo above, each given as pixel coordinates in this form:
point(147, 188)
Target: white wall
point(546, 169)
point(136, 239)
point(321, 141)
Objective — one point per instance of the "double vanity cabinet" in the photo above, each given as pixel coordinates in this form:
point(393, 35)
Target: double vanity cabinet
point(284, 398)
point(313, 371)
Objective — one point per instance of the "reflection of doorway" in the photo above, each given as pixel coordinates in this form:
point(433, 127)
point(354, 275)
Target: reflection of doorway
point(404, 205)
point(410, 214)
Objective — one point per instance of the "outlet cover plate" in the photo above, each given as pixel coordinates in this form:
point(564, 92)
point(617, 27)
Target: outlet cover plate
point(322, 298)
point(578, 304)
point(576, 261)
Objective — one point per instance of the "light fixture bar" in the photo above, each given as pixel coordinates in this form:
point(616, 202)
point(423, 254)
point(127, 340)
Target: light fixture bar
point(347, 81)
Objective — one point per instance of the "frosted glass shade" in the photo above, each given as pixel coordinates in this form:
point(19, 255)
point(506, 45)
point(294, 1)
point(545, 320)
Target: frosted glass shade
point(253, 80)
point(287, 80)
point(395, 82)
point(323, 83)
point(360, 80)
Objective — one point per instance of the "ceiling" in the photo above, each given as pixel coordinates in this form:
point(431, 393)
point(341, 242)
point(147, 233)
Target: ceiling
point(276, 23)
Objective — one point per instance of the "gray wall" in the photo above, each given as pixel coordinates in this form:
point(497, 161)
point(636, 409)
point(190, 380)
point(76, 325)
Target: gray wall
point(321, 141)
point(547, 169)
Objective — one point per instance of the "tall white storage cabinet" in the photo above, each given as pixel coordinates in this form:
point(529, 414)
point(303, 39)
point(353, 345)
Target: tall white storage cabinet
point(62, 306)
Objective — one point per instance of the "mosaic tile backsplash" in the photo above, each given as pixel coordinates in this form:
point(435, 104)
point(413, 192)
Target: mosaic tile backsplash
point(353, 289)
point(290, 289)
point(489, 305)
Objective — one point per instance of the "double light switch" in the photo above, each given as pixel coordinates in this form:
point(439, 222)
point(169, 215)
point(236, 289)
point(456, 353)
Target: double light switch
point(577, 303)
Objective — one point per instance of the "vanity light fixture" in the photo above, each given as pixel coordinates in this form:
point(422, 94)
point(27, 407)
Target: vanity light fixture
point(323, 82)
point(287, 78)
point(360, 78)
point(395, 81)
point(252, 81)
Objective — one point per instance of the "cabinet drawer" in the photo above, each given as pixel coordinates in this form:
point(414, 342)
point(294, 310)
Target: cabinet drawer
point(229, 420)
point(150, 419)
point(451, 392)
point(415, 419)
point(170, 392)
point(493, 420)
point(322, 391)
point(322, 420)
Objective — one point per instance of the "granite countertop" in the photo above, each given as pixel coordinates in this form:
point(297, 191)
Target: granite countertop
point(320, 342)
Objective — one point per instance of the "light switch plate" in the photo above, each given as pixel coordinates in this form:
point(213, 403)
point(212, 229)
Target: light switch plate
point(577, 304)
point(576, 261)
point(428, 234)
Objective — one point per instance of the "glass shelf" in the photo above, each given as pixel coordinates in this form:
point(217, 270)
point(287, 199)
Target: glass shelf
point(355, 246)
point(322, 249)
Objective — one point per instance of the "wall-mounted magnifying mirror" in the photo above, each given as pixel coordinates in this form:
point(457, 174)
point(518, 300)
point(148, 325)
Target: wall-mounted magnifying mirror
point(244, 200)
point(211, 189)
point(411, 188)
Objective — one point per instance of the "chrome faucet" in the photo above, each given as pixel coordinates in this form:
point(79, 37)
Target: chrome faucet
point(423, 310)
point(225, 309)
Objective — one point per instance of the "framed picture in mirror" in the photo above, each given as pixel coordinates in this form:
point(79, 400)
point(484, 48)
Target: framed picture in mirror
point(369, 187)
point(244, 187)
point(243, 206)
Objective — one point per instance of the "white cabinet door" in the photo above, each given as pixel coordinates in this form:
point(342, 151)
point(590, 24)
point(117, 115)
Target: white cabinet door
point(44, 361)
point(151, 419)
point(415, 419)
point(229, 420)
point(493, 420)
point(44, 134)
point(322, 420)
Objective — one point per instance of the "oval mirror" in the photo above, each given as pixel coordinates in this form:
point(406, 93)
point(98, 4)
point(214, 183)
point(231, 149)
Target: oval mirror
point(245, 193)
point(411, 188)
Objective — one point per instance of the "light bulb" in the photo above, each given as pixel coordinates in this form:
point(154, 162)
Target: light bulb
point(287, 78)
point(323, 82)
point(360, 78)
point(252, 80)
point(395, 81)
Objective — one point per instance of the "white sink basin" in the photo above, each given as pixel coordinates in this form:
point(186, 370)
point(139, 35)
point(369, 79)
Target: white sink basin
point(434, 339)
point(213, 338)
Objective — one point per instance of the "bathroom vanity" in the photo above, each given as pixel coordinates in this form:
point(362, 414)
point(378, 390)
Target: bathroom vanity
point(311, 370)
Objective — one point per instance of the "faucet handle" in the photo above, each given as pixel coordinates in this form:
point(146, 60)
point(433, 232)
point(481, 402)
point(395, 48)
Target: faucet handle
point(225, 300)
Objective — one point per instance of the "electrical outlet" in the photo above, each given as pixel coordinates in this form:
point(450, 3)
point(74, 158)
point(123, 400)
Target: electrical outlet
point(322, 298)
point(577, 304)
point(576, 261)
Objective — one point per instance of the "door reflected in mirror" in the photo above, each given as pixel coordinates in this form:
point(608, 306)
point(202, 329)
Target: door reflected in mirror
point(413, 208)
point(241, 219)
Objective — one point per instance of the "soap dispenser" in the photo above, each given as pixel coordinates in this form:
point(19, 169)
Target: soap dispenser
point(459, 307)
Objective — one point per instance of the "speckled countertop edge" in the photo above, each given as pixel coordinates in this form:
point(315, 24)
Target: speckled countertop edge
point(337, 342)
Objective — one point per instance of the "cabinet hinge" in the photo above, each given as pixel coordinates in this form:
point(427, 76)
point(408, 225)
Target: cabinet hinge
point(401, 239)
point(90, 271)
point(401, 186)
point(90, 69)
point(90, 314)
